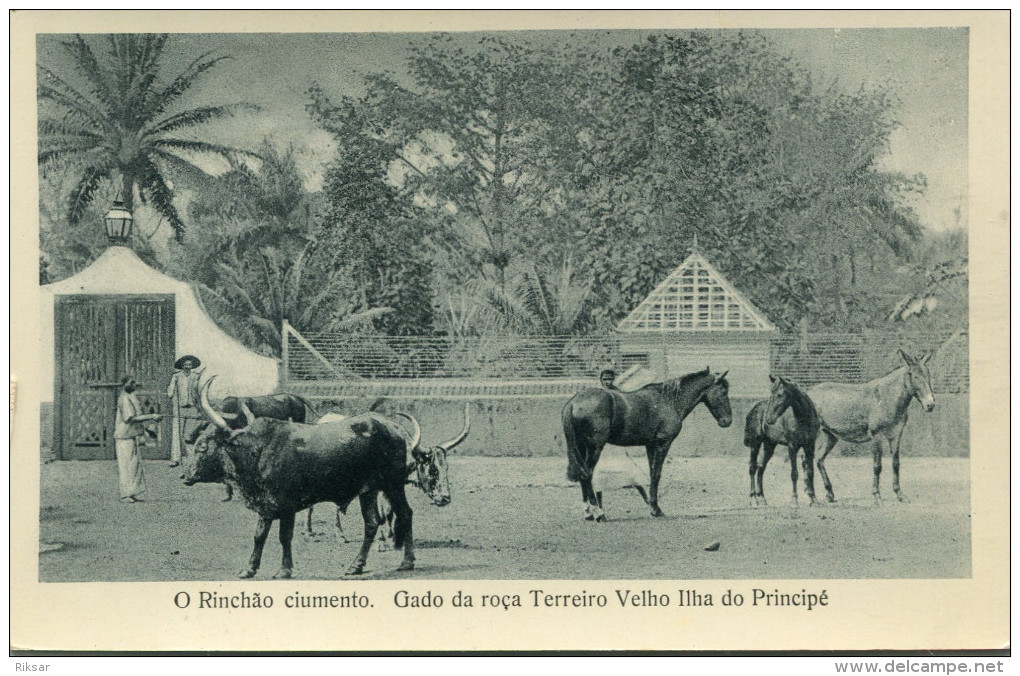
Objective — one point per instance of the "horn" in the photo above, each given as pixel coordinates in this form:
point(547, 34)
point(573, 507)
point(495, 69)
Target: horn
point(229, 416)
point(214, 417)
point(249, 417)
point(416, 437)
point(448, 445)
point(723, 375)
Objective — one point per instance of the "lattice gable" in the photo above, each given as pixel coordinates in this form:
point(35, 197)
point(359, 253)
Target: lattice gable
point(695, 297)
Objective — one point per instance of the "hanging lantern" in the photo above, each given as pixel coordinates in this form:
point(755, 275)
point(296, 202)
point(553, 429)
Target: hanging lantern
point(118, 223)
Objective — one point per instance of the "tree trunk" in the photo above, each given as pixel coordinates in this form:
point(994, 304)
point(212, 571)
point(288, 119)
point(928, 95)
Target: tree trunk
point(127, 189)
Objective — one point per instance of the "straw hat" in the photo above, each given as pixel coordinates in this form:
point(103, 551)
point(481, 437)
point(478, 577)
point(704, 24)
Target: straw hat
point(195, 361)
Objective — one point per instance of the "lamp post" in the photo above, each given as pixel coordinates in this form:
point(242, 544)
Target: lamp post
point(118, 224)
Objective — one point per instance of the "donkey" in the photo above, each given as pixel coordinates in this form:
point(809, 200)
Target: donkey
point(787, 417)
point(875, 411)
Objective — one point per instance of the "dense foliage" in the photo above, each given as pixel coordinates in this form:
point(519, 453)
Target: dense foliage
point(508, 186)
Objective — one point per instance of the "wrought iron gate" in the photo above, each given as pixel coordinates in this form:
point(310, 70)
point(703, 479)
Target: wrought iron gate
point(98, 340)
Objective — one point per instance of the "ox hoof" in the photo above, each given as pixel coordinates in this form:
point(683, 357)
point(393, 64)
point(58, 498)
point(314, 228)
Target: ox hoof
point(245, 574)
point(901, 497)
point(830, 497)
point(656, 511)
point(356, 569)
point(406, 565)
point(383, 547)
point(601, 518)
point(878, 500)
point(283, 574)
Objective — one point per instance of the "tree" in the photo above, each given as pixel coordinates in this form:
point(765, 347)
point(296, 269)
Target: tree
point(118, 115)
point(533, 303)
point(723, 137)
point(375, 231)
point(467, 138)
point(260, 256)
point(516, 154)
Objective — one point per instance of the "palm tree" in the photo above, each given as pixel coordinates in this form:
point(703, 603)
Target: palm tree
point(261, 261)
point(119, 116)
point(533, 303)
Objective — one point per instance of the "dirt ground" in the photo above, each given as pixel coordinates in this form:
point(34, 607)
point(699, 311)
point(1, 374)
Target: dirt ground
point(518, 518)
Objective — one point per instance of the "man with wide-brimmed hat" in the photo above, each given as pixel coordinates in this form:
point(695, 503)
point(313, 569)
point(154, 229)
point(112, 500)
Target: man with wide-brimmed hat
point(183, 393)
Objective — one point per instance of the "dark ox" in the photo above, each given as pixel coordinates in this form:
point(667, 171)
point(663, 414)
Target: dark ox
point(427, 470)
point(283, 406)
point(282, 468)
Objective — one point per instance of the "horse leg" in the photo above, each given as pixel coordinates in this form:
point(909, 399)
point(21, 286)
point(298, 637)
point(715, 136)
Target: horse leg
point(644, 495)
point(752, 470)
point(792, 448)
point(592, 504)
point(308, 521)
point(809, 473)
point(769, 449)
point(595, 500)
point(286, 537)
point(261, 533)
point(371, 516)
point(588, 498)
point(830, 441)
point(656, 456)
point(876, 450)
point(895, 444)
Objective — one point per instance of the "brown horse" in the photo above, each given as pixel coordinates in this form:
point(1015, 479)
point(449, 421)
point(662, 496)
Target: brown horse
point(649, 417)
point(788, 418)
point(875, 411)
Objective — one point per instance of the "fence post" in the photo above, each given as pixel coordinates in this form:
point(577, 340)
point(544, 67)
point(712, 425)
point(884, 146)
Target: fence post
point(285, 349)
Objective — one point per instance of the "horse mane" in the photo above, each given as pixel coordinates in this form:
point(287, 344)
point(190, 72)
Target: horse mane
point(675, 387)
point(801, 393)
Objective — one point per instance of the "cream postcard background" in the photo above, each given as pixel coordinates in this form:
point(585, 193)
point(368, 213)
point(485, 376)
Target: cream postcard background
point(862, 614)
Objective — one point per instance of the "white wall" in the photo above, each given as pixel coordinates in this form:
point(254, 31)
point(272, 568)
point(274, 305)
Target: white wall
point(119, 271)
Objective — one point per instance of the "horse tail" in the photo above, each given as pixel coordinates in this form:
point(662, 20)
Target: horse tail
point(577, 468)
point(753, 424)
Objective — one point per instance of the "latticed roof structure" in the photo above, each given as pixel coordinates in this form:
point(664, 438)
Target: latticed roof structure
point(695, 297)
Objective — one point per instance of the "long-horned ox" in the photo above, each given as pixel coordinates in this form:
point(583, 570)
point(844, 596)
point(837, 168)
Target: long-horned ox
point(418, 474)
point(282, 468)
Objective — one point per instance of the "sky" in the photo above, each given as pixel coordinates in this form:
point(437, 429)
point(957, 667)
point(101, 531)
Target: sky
point(926, 68)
